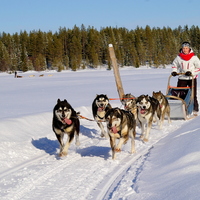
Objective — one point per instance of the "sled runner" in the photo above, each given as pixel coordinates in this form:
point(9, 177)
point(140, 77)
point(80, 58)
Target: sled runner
point(181, 101)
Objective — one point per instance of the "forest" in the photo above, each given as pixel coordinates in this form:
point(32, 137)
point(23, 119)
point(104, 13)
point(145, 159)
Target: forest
point(81, 47)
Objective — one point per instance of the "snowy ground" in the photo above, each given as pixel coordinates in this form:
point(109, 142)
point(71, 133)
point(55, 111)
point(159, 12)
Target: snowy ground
point(167, 167)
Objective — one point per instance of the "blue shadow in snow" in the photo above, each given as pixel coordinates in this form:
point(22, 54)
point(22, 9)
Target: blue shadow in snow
point(91, 133)
point(93, 151)
point(47, 145)
point(51, 146)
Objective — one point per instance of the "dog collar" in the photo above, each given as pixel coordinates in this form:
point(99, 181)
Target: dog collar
point(101, 118)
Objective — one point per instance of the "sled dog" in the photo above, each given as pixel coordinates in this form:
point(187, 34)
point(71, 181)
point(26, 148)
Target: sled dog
point(65, 122)
point(129, 102)
point(100, 106)
point(148, 109)
point(121, 125)
point(164, 105)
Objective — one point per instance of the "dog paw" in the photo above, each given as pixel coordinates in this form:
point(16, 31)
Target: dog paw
point(145, 140)
point(62, 154)
point(142, 137)
point(102, 135)
point(105, 135)
point(117, 150)
point(133, 151)
point(78, 143)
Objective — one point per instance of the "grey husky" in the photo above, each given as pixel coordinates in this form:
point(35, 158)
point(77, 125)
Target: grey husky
point(121, 125)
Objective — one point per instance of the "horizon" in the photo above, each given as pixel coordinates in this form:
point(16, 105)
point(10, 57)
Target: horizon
point(34, 30)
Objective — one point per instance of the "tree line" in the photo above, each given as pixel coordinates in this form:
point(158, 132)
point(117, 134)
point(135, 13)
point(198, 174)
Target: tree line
point(82, 47)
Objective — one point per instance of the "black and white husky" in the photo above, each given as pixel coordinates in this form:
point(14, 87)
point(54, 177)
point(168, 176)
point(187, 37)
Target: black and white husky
point(65, 121)
point(121, 125)
point(148, 109)
point(100, 106)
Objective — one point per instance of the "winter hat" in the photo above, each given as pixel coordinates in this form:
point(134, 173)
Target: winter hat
point(186, 44)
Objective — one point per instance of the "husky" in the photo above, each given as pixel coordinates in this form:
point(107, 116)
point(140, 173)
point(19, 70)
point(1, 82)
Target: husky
point(129, 102)
point(148, 109)
point(100, 106)
point(164, 105)
point(121, 125)
point(65, 121)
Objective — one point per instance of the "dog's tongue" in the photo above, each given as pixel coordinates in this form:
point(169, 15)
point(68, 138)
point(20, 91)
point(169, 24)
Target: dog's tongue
point(68, 121)
point(100, 109)
point(142, 111)
point(114, 129)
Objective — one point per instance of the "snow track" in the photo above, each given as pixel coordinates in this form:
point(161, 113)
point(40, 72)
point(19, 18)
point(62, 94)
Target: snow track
point(29, 179)
point(35, 171)
point(108, 185)
point(38, 177)
point(22, 165)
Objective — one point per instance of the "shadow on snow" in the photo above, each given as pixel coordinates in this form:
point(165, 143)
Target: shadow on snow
point(51, 146)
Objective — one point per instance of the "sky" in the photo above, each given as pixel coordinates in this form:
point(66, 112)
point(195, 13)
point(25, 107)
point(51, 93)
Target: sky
point(50, 15)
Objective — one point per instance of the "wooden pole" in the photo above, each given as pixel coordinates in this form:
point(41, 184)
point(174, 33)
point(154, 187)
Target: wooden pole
point(116, 71)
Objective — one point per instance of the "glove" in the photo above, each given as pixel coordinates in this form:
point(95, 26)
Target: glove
point(174, 74)
point(188, 73)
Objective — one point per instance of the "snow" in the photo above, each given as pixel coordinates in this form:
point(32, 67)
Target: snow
point(167, 167)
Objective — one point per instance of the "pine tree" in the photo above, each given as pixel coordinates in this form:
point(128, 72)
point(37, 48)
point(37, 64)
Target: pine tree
point(23, 63)
point(140, 46)
point(4, 58)
point(75, 50)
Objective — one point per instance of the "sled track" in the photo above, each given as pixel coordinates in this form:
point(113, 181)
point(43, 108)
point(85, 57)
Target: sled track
point(22, 165)
point(18, 193)
point(55, 168)
point(106, 187)
point(112, 180)
point(101, 191)
point(30, 162)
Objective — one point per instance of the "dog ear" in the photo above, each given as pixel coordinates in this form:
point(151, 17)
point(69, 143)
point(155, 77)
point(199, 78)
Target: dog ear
point(136, 99)
point(118, 110)
point(65, 100)
point(106, 96)
point(58, 101)
point(148, 97)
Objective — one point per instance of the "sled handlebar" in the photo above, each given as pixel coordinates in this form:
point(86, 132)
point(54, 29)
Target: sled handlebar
point(192, 87)
point(181, 74)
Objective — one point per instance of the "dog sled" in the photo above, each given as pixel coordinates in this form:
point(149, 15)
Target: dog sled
point(181, 100)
